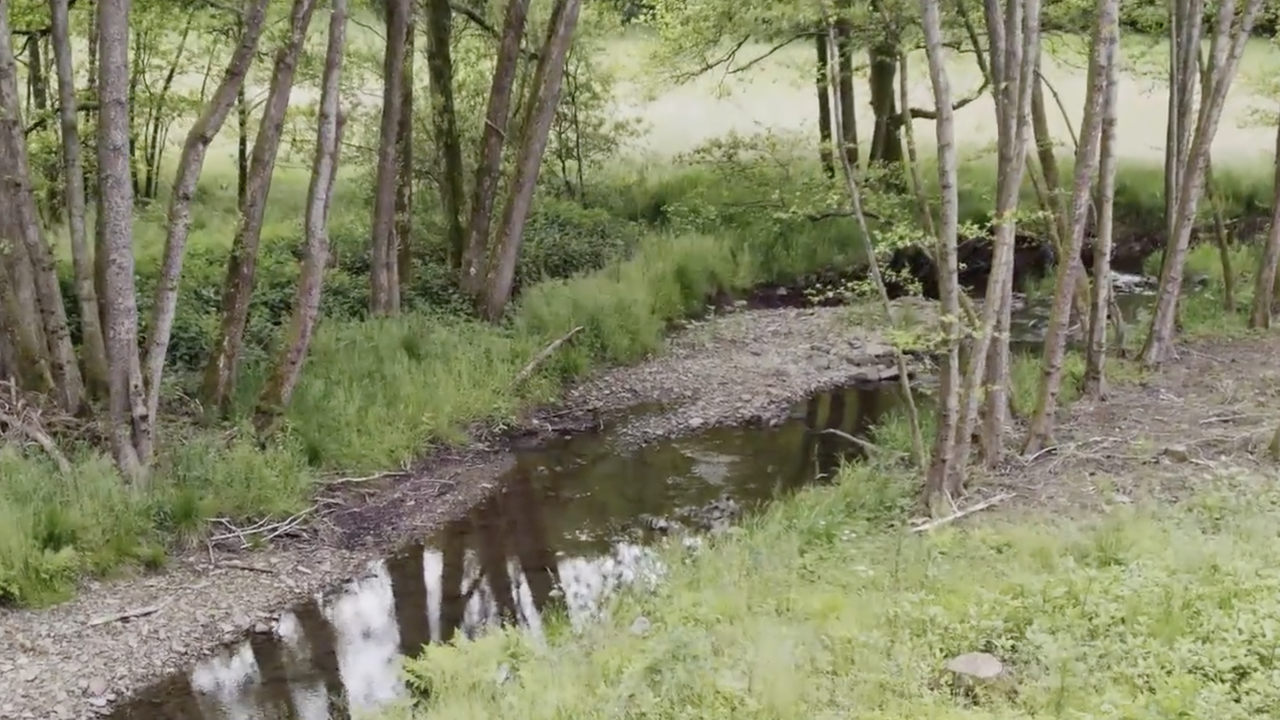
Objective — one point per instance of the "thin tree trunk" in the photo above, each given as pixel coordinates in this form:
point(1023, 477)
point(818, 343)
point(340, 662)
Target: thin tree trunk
point(488, 170)
point(1095, 380)
point(821, 85)
point(306, 302)
point(546, 87)
point(404, 163)
point(1221, 238)
point(186, 179)
point(93, 346)
point(844, 97)
point(944, 461)
point(855, 199)
point(220, 373)
point(21, 204)
point(384, 280)
point(444, 121)
point(131, 425)
point(1264, 291)
point(1226, 50)
point(1106, 41)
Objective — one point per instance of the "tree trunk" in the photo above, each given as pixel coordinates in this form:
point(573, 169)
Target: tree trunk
point(1095, 382)
point(943, 464)
point(220, 373)
point(186, 179)
point(306, 302)
point(1264, 291)
point(1222, 238)
point(886, 148)
point(1225, 52)
point(1106, 42)
point(131, 425)
point(824, 107)
point(93, 347)
point(1014, 36)
point(488, 170)
point(444, 122)
point(21, 204)
point(404, 163)
point(548, 77)
point(844, 96)
point(384, 279)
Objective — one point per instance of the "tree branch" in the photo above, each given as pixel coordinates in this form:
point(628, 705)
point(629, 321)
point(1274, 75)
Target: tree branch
point(478, 20)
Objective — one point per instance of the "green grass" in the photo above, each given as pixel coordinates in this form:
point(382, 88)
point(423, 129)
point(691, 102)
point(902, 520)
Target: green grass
point(1150, 613)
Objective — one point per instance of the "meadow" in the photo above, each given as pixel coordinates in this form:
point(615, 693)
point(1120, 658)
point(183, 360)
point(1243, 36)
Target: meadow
point(653, 236)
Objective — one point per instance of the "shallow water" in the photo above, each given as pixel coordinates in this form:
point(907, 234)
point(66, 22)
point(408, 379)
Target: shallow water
point(571, 523)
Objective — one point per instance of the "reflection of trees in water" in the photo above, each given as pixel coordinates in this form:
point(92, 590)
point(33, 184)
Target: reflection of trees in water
point(853, 411)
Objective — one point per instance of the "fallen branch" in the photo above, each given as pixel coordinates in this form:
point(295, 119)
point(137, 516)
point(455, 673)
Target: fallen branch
point(237, 565)
point(367, 478)
point(977, 507)
point(40, 438)
point(540, 358)
point(126, 615)
point(855, 440)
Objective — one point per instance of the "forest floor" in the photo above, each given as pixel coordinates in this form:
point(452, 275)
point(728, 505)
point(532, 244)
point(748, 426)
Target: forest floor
point(1211, 409)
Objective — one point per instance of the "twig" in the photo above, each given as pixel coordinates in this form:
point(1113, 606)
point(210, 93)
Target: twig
point(977, 507)
point(855, 440)
point(126, 615)
point(541, 357)
point(366, 478)
point(237, 565)
point(40, 438)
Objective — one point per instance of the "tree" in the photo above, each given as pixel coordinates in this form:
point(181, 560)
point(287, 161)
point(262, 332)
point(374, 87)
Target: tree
point(190, 164)
point(535, 129)
point(384, 277)
point(1188, 149)
point(93, 346)
point(1105, 44)
point(944, 461)
point(444, 119)
point(324, 169)
point(1264, 291)
point(489, 168)
point(1108, 160)
point(130, 422)
point(31, 260)
point(221, 370)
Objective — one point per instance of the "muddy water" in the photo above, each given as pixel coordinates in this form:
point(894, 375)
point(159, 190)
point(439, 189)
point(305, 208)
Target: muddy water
point(571, 523)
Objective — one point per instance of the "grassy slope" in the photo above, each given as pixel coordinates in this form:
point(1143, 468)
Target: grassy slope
point(1138, 614)
point(374, 394)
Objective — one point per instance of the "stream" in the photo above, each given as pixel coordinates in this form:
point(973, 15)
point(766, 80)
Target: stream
point(572, 522)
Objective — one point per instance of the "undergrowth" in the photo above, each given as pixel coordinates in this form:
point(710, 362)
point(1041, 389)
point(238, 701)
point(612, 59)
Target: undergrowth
point(819, 610)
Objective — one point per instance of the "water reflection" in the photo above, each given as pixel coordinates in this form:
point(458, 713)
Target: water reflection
point(566, 529)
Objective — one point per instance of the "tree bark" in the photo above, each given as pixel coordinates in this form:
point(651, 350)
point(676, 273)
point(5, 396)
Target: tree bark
point(824, 107)
point(1106, 41)
point(844, 97)
point(484, 191)
point(548, 77)
point(130, 423)
point(93, 345)
point(194, 150)
point(21, 204)
point(220, 373)
point(306, 302)
point(944, 461)
point(384, 279)
point(1095, 382)
point(404, 163)
point(444, 122)
point(1264, 291)
point(1225, 52)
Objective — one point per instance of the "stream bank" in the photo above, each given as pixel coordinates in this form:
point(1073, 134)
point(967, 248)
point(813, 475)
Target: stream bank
point(74, 660)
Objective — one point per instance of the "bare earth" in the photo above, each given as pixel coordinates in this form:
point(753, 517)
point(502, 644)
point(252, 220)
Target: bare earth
point(1214, 408)
point(78, 659)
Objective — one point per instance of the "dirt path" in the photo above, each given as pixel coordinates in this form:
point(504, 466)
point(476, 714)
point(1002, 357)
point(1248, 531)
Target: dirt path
point(79, 658)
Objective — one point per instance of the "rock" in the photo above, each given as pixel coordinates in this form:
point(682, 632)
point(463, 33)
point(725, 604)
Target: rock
point(96, 686)
point(1176, 453)
point(1273, 450)
point(978, 674)
point(640, 625)
point(503, 676)
point(262, 628)
point(98, 701)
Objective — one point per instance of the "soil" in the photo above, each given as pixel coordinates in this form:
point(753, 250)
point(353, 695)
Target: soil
point(1204, 413)
point(79, 658)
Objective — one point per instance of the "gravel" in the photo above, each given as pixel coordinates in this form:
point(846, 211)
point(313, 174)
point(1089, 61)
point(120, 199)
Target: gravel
point(78, 659)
